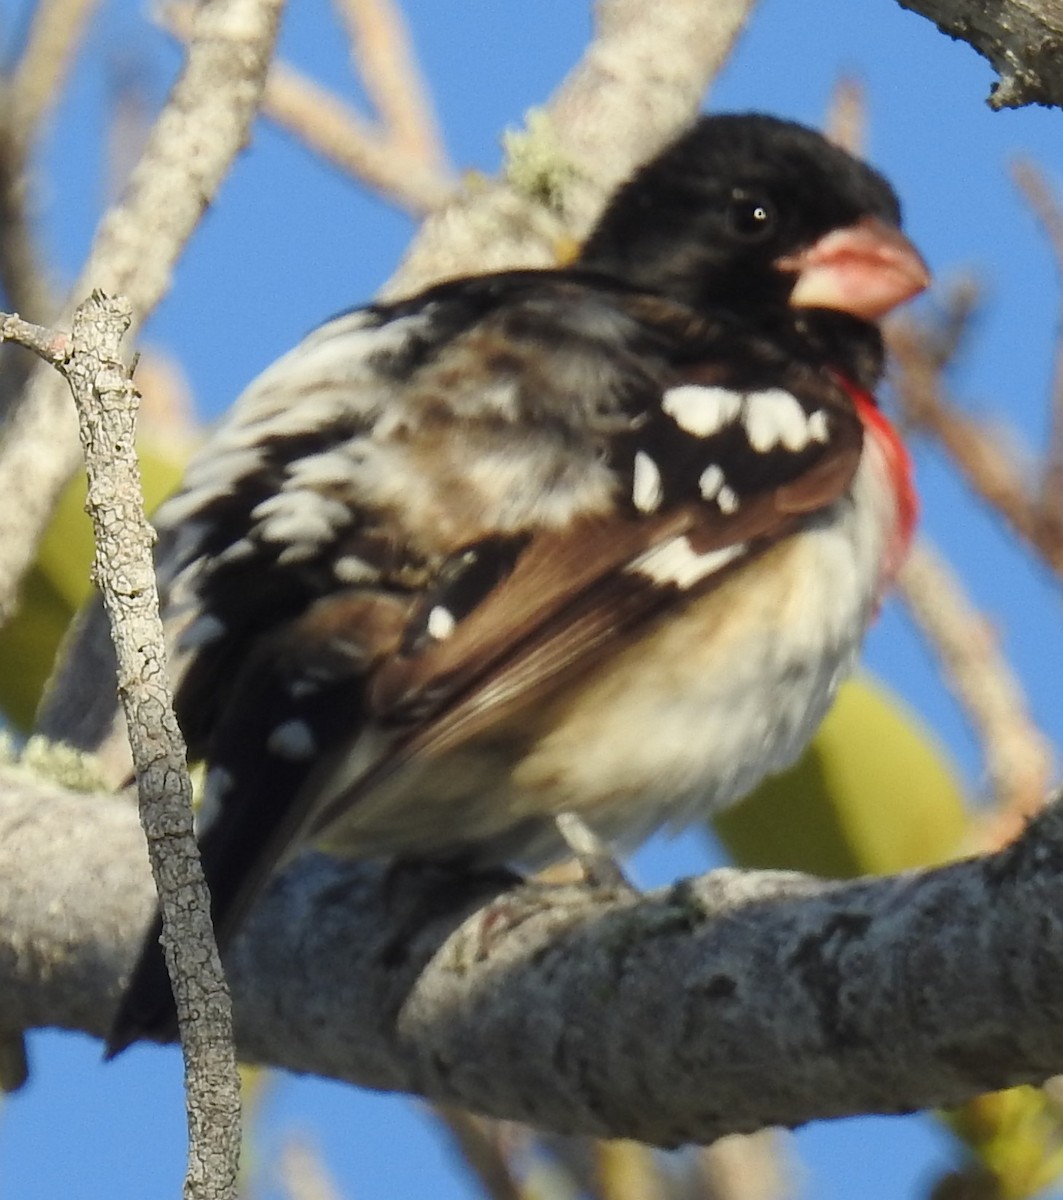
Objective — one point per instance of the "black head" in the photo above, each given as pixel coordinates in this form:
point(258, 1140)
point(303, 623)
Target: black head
point(708, 221)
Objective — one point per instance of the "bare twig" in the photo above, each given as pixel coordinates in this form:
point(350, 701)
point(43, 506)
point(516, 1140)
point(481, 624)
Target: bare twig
point(55, 32)
point(1018, 758)
point(1039, 195)
point(846, 123)
point(483, 1152)
point(751, 1166)
point(124, 571)
point(330, 127)
point(642, 78)
point(303, 1174)
point(977, 450)
point(50, 344)
point(203, 125)
point(27, 97)
point(388, 69)
point(23, 277)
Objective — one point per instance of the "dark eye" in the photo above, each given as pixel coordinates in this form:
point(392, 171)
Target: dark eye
point(751, 217)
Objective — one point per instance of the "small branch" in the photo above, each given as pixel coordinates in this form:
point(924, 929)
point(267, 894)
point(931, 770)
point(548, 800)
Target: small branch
point(480, 1143)
point(124, 571)
point(977, 450)
point(331, 128)
point(23, 278)
point(55, 33)
point(1023, 39)
point(328, 126)
point(1018, 758)
point(303, 1174)
point(50, 344)
point(752, 1166)
point(846, 123)
point(1048, 210)
point(388, 69)
point(27, 97)
point(197, 135)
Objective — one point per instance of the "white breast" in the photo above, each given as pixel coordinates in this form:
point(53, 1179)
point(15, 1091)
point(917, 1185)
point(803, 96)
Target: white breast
point(692, 716)
point(688, 718)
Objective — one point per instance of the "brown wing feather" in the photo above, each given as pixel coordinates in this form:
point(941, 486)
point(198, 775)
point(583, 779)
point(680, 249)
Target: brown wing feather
point(571, 598)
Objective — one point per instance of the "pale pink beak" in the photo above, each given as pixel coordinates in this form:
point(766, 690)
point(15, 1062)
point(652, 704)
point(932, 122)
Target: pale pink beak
point(866, 269)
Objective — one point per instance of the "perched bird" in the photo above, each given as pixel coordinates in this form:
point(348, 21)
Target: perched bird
point(599, 540)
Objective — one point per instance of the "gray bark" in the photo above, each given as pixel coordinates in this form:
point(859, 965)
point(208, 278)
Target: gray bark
point(1023, 39)
point(723, 1004)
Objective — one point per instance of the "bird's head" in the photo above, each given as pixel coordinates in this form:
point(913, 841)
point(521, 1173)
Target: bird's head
point(752, 213)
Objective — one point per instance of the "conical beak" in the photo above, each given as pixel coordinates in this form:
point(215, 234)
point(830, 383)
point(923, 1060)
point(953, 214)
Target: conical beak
point(866, 269)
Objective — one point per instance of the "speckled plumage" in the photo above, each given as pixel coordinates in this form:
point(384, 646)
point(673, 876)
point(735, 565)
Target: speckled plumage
point(599, 540)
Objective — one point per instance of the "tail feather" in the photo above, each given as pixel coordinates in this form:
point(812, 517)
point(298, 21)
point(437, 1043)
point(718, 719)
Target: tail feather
point(147, 1010)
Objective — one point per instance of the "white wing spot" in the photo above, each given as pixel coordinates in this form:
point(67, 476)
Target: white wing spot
point(773, 416)
point(218, 784)
point(293, 740)
point(710, 481)
point(727, 500)
point(352, 569)
point(676, 562)
point(237, 552)
point(701, 410)
point(646, 488)
point(818, 430)
point(440, 623)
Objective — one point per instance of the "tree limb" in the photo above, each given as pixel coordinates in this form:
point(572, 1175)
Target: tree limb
point(642, 78)
point(1023, 39)
point(773, 998)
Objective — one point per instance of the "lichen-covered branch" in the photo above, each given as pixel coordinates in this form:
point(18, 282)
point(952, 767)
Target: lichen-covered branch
point(641, 79)
point(772, 998)
point(124, 571)
point(1023, 39)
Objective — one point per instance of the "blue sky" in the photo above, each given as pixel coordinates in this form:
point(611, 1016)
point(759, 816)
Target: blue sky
point(289, 242)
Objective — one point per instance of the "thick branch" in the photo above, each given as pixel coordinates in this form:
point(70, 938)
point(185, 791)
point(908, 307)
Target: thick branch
point(773, 998)
point(642, 78)
point(1023, 39)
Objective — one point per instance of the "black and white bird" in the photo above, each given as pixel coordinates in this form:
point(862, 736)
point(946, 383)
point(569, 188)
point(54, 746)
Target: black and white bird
point(599, 540)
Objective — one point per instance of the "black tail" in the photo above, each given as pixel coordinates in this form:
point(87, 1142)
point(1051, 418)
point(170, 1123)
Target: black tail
point(240, 850)
point(238, 856)
point(147, 1009)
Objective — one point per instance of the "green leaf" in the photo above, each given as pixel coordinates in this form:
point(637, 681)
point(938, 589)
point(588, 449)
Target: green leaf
point(56, 587)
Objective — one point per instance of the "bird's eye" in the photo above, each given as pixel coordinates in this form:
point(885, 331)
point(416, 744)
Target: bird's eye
point(751, 217)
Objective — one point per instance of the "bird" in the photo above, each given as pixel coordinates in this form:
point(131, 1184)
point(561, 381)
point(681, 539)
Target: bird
point(596, 541)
